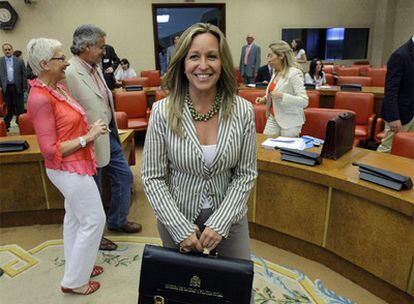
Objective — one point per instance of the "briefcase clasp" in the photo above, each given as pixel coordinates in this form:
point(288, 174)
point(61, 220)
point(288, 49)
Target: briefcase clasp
point(159, 300)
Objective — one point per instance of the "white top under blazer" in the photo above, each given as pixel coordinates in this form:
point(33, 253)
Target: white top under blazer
point(174, 171)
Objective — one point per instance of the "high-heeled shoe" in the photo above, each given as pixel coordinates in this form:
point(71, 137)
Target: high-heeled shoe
point(97, 270)
point(92, 287)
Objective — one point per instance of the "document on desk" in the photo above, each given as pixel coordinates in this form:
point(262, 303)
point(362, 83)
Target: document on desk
point(284, 142)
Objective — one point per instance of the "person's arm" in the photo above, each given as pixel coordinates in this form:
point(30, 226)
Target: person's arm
point(154, 174)
point(133, 73)
point(395, 69)
point(323, 78)
point(302, 58)
point(299, 97)
point(241, 59)
point(257, 63)
point(233, 205)
point(309, 79)
point(43, 118)
point(24, 75)
point(115, 60)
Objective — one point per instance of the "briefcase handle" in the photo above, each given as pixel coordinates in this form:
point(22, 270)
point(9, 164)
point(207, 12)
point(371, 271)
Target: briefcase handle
point(206, 252)
point(345, 115)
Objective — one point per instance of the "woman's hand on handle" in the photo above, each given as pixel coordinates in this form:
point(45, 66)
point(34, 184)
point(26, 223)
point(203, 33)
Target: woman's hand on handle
point(210, 239)
point(192, 242)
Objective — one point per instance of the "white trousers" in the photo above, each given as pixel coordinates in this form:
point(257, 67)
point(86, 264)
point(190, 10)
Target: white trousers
point(82, 227)
point(272, 128)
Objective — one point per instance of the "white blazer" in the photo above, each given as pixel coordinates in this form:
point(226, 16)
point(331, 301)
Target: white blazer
point(175, 174)
point(289, 111)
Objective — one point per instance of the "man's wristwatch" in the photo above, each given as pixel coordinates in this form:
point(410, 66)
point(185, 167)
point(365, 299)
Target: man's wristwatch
point(82, 142)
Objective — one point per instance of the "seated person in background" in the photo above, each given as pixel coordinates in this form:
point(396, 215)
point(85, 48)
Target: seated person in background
point(315, 76)
point(285, 95)
point(299, 52)
point(125, 72)
point(264, 74)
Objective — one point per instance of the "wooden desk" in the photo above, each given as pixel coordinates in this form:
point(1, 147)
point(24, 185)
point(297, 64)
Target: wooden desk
point(27, 196)
point(326, 213)
point(328, 96)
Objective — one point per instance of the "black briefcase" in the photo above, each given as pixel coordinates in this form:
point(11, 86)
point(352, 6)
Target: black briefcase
point(383, 177)
point(168, 276)
point(13, 145)
point(339, 138)
point(300, 157)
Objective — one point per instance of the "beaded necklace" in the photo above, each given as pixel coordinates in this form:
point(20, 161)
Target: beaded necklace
point(203, 117)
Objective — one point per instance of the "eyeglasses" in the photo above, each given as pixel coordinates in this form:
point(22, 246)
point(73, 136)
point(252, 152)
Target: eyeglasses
point(63, 58)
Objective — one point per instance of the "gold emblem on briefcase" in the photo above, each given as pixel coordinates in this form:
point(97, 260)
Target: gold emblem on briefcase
point(195, 281)
point(159, 300)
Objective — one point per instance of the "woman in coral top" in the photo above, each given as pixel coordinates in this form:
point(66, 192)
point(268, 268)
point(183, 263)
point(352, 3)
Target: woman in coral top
point(66, 143)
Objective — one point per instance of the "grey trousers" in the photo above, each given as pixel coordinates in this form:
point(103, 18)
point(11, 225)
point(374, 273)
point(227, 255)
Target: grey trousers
point(236, 245)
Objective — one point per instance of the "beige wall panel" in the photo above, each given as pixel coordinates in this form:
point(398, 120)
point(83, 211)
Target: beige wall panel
point(292, 206)
point(359, 229)
point(29, 194)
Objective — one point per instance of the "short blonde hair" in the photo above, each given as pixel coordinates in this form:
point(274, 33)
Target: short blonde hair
point(176, 81)
point(41, 49)
point(282, 47)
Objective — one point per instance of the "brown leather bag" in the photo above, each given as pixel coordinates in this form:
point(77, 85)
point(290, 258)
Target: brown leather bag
point(339, 138)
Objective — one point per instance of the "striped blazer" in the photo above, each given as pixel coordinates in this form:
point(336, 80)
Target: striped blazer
point(175, 175)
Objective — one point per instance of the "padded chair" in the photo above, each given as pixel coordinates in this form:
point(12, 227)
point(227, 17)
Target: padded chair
point(328, 69)
point(379, 130)
point(122, 122)
point(3, 107)
point(160, 94)
point(252, 94)
point(361, 62)
point(351, 71)
point(364, 81)
point(330, 79)
point(363, 106)
point(154, 77)
point(25, 125)
point(238, 75)
point(143, 81)
point(134, 104)
point(317, 120)
point(403, 144)
point(260, 117)
point(377, 76)
point(3, 129)
point(314, 99)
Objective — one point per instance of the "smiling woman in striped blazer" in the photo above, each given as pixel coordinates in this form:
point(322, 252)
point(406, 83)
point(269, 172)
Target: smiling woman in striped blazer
point(200, 158)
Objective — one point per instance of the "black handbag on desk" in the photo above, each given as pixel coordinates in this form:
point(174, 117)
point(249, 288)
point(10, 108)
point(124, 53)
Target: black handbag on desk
point(13, 145)
point(383, 177)
point(301, 157)
point(168, 276)
point(339, 138)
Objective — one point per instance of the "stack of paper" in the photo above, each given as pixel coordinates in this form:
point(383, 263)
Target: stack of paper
point(284, 142)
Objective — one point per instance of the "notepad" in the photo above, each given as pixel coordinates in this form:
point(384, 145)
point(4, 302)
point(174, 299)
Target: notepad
point(284, 142)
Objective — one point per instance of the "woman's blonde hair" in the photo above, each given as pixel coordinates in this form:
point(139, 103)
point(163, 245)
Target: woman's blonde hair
point(176, 81)
point(283, 48)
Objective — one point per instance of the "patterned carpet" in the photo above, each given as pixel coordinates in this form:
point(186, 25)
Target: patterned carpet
point(34, 276)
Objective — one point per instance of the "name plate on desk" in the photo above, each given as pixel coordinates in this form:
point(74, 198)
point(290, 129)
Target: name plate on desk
point(13, 145)
point(384, 177)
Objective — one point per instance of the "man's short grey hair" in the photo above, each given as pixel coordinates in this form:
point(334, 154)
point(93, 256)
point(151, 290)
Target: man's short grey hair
point(84, 35)
point(41, 49)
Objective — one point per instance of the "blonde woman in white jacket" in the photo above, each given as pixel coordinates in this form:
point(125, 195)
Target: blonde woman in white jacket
point(285, 95)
